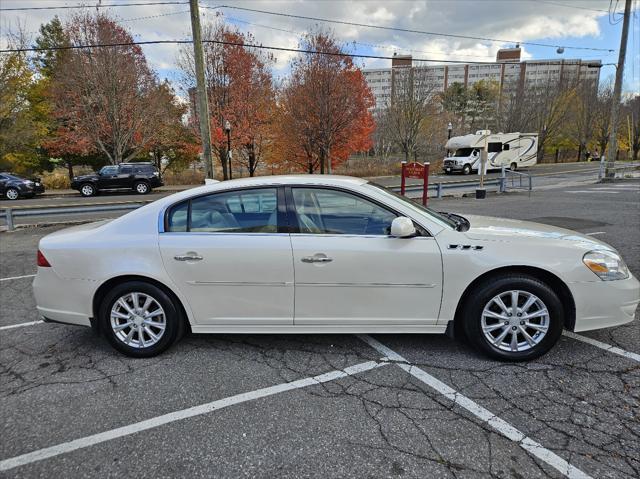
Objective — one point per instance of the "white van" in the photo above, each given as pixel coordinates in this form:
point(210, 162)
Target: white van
point(513, 150)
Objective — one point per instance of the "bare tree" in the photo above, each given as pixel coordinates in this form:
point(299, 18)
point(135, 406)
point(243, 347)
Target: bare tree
point(581, 123)
point(601, 115)
point(410, 103)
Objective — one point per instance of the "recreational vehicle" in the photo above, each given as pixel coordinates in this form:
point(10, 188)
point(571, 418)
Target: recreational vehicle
point(513, 150)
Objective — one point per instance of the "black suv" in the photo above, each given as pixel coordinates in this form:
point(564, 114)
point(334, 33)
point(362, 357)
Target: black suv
point(139, 177)
point(13, 186)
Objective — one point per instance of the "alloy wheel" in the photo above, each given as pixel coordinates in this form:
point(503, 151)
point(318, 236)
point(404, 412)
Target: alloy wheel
point(87, 190)
point(138, 320)
point(12, 194)
point(515, 321)
point(142, 188)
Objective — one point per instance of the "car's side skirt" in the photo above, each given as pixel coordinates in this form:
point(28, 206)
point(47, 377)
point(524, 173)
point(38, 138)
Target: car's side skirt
point(319, 329)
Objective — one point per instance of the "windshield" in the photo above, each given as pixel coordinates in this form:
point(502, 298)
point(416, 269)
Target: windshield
point(415, 206)
point(463, 152)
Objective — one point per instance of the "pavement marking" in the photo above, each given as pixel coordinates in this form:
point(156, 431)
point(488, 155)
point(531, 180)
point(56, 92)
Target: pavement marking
point(605, 346)
point(500, 425)
point(179, 415)
point(21, 325)
point(593, 191)
point(17, 277)
point(597, 233)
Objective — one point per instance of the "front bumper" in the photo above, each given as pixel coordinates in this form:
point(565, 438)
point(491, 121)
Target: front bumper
point(452, 166)
point(603, 304)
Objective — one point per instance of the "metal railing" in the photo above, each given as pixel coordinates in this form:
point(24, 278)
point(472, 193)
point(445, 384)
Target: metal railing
point(614, 167)
point(515, 180)
point(8, 214)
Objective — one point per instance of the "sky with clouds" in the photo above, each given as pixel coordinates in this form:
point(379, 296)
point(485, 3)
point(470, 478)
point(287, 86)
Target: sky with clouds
point(593, 24)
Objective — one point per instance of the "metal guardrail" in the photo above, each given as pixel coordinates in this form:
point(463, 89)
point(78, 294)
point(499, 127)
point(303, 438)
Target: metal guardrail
point(8, 214)
point(614, 167)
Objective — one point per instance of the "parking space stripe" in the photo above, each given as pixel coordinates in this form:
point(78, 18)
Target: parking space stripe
point(21, 325)
point(87, 441)
point(17, 277)
point(500, 425)
point(605, 346)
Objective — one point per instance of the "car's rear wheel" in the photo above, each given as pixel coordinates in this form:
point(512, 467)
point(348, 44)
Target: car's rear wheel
point(142, 187)
point(12, 193)
point(513, 318)
point(87, 190)
point(140, 319)
point(513, 166)
point(467, 169)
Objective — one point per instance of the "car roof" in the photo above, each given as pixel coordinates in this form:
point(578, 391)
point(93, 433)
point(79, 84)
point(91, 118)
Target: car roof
point(335, 180)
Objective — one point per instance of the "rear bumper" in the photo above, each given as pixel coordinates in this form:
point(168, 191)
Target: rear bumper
point(603, 304)
point(63, 300)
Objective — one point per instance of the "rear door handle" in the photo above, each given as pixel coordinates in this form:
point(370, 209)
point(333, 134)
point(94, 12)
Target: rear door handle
point(316, 259)
point(188, 257)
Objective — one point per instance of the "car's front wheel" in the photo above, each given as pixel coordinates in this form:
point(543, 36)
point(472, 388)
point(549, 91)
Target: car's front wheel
point(87, 189)
point(513, 318)
point(467, 169)
point(12, 193)
point(140, 319)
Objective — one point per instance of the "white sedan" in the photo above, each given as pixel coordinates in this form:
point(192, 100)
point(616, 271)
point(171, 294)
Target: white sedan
point(327, 254)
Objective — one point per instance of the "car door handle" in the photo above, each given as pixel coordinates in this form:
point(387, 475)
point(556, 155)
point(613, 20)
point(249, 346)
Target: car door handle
point(316, 259)
point(188, 257)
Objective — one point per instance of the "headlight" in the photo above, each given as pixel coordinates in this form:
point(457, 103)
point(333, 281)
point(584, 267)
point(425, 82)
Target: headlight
point(607, 265)
point(28, 182)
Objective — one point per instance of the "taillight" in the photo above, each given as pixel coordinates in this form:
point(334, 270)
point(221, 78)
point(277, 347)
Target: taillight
point(42, 261)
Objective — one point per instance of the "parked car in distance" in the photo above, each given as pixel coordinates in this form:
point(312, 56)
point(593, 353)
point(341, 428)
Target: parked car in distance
point(139, 177)
point(14, 186)
point(353, 257)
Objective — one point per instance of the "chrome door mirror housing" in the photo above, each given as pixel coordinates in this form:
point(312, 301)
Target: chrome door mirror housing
point(402, 227)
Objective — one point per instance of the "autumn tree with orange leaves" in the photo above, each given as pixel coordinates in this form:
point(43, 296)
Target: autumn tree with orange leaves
point(106, 99)
point(324, 108)
point(240, 90)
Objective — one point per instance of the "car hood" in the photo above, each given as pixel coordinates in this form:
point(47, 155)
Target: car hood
point(502, 229)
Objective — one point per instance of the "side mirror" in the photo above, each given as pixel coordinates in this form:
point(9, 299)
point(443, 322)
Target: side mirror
point(402, 227)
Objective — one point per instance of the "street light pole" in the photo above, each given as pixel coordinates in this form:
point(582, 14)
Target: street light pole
point(227, 128)
point(617, 90)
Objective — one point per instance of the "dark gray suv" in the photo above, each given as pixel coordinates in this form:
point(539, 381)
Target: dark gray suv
point(139, 177)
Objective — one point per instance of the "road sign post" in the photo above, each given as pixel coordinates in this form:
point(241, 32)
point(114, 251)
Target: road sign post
point(418, 171)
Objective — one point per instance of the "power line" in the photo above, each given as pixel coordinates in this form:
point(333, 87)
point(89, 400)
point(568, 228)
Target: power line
point(63, 7)
point(405, 30)
point(266, 47)
point(570, 6)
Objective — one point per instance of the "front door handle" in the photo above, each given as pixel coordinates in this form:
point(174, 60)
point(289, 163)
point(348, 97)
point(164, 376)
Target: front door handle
point(188, 257)
point(316, 259)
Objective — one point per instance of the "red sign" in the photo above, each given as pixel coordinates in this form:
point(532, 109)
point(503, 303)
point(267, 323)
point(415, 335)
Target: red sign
point(416, 170)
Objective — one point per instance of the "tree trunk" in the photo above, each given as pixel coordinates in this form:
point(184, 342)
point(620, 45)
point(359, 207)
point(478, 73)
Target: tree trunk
point(579, 151)
point(70, 170)
point(222, 151)
point(252, 162)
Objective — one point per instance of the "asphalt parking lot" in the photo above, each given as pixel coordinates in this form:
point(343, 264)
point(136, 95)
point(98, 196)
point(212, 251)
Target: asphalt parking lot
point(325, 405)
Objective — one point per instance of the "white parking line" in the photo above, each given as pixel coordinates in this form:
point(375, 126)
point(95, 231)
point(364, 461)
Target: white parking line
point(593, 191)
point(17, 277)
point(87, 441)
point(500, 425)
point(605, 346)
point(21, 325)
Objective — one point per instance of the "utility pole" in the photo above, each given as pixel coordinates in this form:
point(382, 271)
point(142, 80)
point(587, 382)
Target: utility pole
point(617, 90)
point(201, 88)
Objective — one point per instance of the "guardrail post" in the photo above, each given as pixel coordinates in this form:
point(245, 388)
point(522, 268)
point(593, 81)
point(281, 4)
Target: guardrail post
point(439, 190)
point(530, 182)
point(8, 212)
point(503, 179)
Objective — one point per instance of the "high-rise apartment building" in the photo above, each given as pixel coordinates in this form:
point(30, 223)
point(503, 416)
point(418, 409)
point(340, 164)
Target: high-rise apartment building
point(508, 72)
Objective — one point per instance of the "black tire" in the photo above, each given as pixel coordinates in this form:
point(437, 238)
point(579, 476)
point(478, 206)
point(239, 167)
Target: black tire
point(174, 322)
point(12, 193)
point(88, 189)
point(473, 311)
point(142, 187)
point(466, 170)
point(513, 166)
